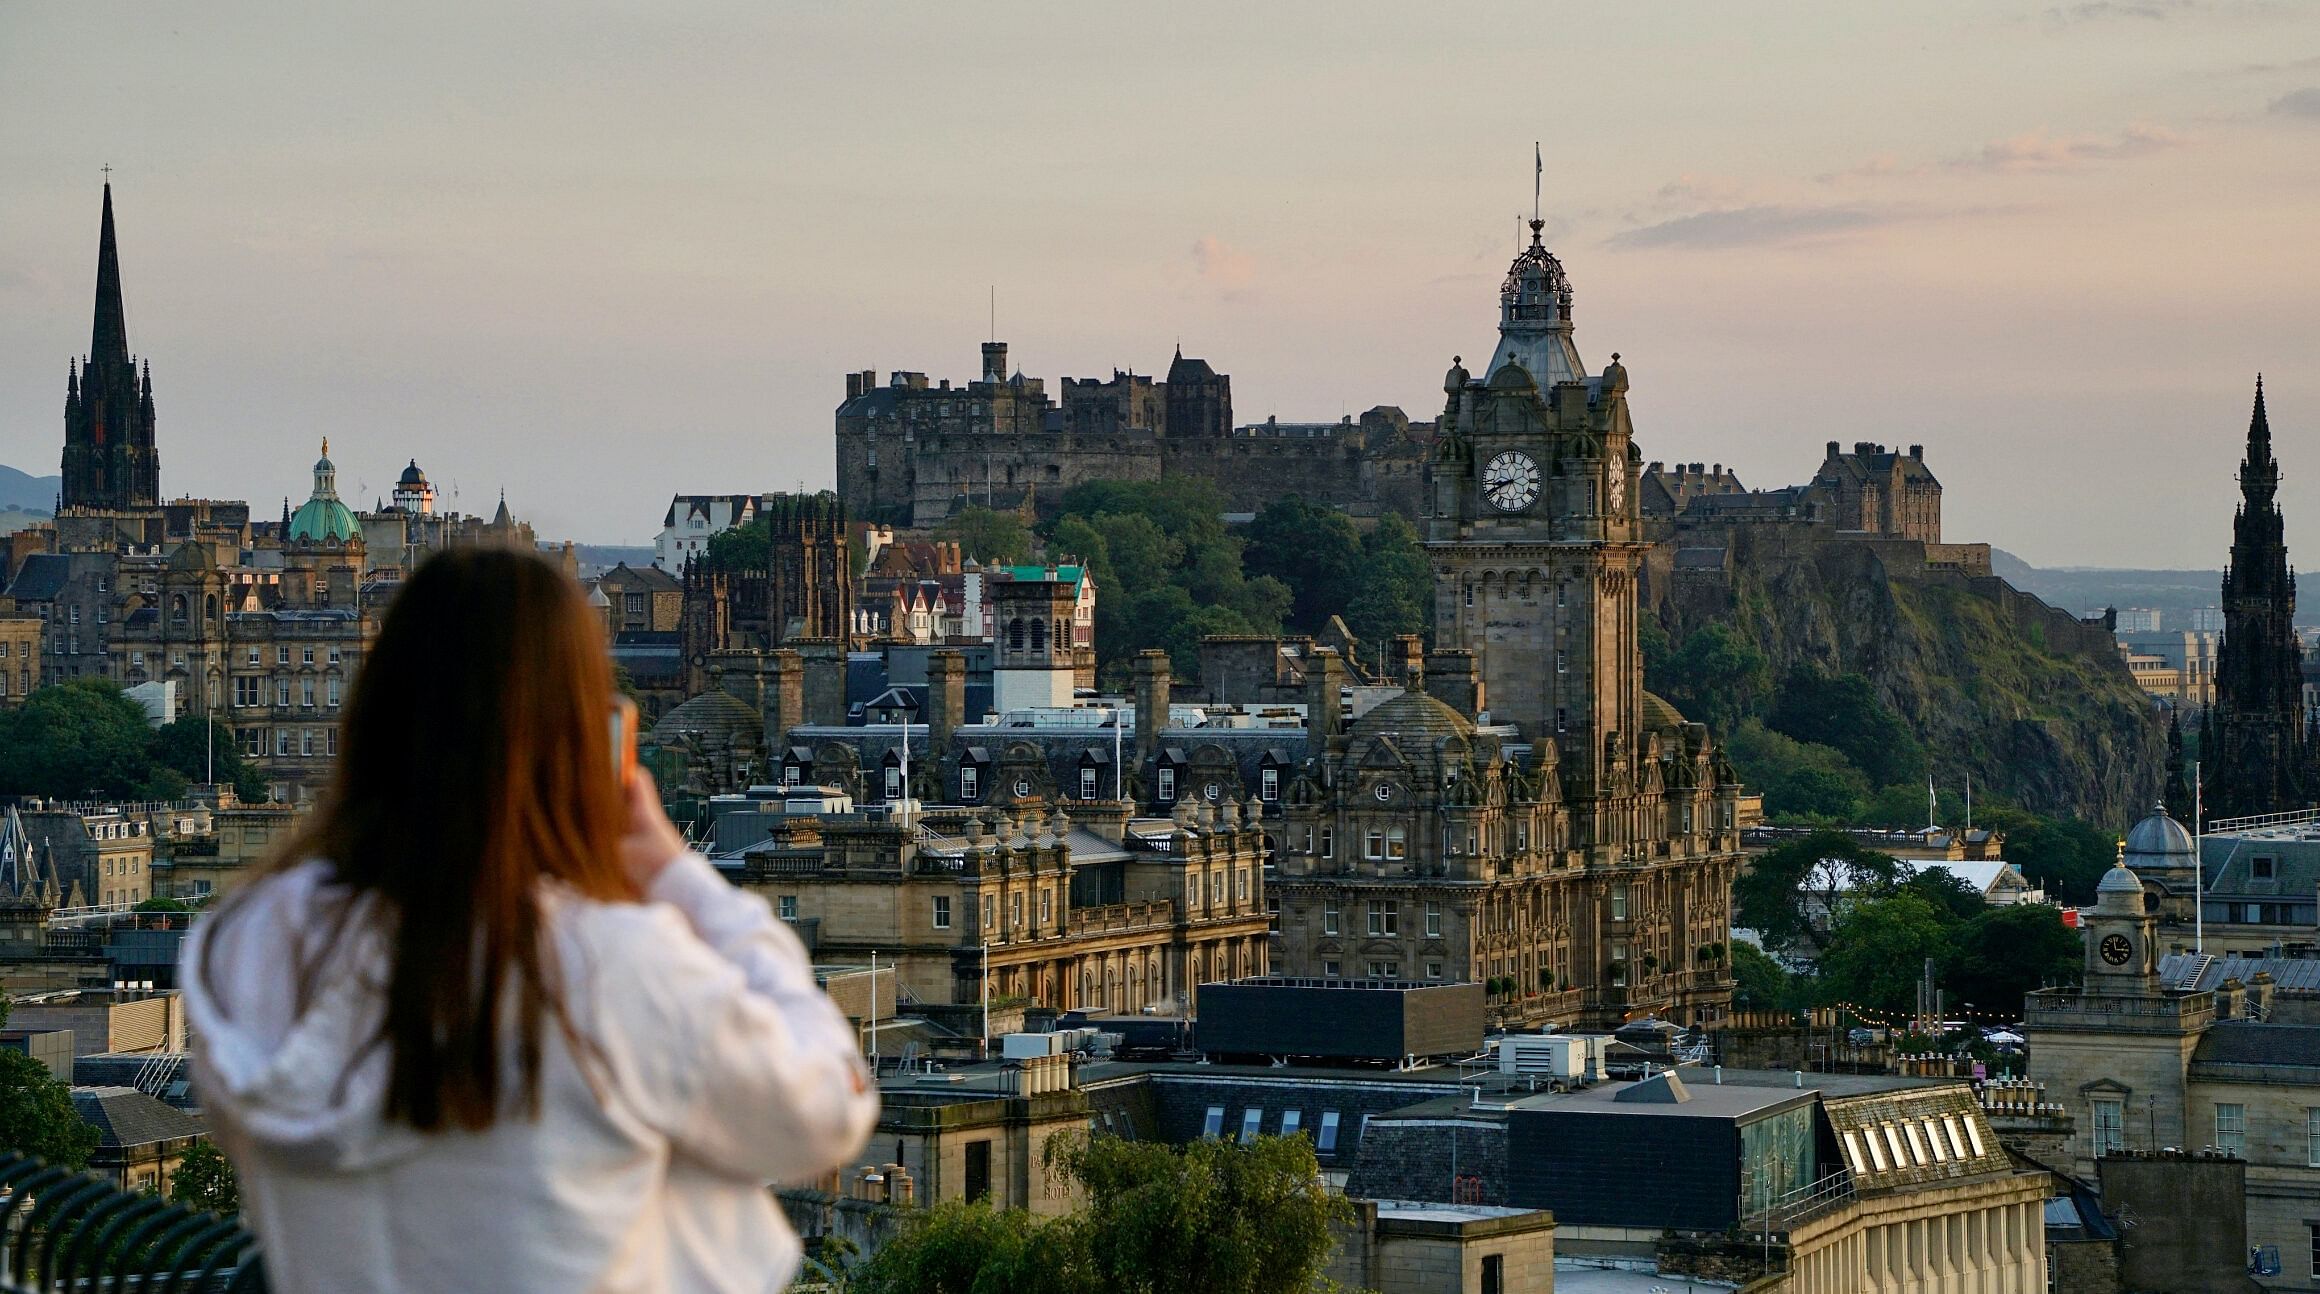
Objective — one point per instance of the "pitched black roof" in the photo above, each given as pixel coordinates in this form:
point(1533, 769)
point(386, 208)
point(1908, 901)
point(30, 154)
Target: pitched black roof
point(41, 578)
point(124, 1116)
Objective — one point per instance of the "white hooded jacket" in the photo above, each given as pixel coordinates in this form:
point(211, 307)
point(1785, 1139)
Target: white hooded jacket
point(721, 1067)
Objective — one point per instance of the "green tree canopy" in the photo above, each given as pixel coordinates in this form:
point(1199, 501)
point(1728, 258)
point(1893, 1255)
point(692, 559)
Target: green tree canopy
point(1215, 1217)
point(990, 537)
point(205, 1180)
point(1842, 711)
point(741, 548)
point(1715, 676)
point(1800, 781)
point(37, 1115)
point(1313, 550)
point(193, 747)
point(1794, 894)
point(1397, 587)
point(1945, 890)
point(1762, 983)
point(1877, 951)
point(2002, 954)
point(2064, 856)
point(80, 739)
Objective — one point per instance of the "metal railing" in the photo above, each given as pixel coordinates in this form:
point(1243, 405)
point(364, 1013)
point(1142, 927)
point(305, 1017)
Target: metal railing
point(62, 1231)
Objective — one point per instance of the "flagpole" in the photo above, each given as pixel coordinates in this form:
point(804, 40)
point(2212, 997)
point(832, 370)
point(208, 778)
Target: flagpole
point(2198, 862)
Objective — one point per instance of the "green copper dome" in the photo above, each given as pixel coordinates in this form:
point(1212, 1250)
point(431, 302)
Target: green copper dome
point(323, 519)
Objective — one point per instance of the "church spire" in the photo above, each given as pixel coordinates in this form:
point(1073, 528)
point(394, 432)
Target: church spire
point(109, 338)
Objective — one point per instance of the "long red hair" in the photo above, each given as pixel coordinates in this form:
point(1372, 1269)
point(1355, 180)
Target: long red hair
point(476, 765)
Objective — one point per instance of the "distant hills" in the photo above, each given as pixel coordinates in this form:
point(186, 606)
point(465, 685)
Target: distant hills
point(2086, 590)
point(21, 492)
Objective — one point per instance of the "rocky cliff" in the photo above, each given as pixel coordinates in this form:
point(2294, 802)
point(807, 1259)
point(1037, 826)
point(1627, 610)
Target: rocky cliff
point(2037, 706)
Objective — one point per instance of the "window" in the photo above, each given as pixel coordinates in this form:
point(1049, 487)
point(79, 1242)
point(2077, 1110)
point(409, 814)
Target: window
point(790, 774)
point(2262, 867)
point(1212, 1124)
point(306, 741)
point(1433, 924)
point(1252, 1119)
point(1562, 661)
point(330, 740)
point(306, 693)
point(1328, 842)
point(1043, 906)
point(253, 655)
point(894, 783)
point(1329, 970)
point(2110, 1127)
point(1375, 844)
point(1619, 903)
point(1859, 1165)
point(789, 907)
point(1957, 1144)
point(1893, 1143)
point(1015, 912)
point(1494, 1274)
point(333, 693)
point(1385, 970)
point(282, 693)
point(970, 781)
point(333, 657)
point(282, 741)
point(1167, 783)
point(1385, 916)
point(1934, 1142)
point(1396, 845)
point(1974, 1135)
point(1328, 1139)
point(1269, 784)
point(1433, 970)
point(247, 691)
point(942, 911)
point(990, 910)
point(2231, 1129)
point(978, 1171)
point(282, 654)
point(1087, 782)
point(1329, 916)
point(307, 656)
point(2312, 1136)
point(1289, 1121)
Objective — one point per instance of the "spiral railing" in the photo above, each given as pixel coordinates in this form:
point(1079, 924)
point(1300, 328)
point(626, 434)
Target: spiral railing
point(62, 1231)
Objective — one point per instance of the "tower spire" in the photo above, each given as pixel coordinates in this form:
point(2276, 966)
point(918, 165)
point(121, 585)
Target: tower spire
point(109, 337)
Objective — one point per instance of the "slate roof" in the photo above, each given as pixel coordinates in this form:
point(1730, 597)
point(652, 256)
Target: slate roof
point(2289, 974)
point(126, 1117)
point(1413, 715)
point(2229, 862)
point(2256, 1043)
point(41, 578)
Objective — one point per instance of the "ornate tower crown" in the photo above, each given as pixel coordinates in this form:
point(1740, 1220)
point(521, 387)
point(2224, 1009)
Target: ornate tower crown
point(1534, 318)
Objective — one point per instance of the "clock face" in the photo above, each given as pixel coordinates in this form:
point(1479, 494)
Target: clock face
point(2115, 949)
point(1511, 481)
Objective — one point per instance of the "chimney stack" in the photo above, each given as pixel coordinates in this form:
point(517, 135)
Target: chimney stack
point(946, 699)
point(1406, 661)
point(1453, 678)
point(1151, 672)
point(785, 697)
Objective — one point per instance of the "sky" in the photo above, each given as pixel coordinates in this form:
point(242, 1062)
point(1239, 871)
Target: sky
point(594, 253)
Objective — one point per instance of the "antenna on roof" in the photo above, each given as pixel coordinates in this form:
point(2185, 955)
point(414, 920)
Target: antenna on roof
point(1538, 176)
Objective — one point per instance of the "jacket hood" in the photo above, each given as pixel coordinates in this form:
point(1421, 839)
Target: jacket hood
point(306, 1080)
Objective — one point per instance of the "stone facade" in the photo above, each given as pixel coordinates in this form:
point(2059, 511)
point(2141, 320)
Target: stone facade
point(803, 593)
point(911, 452)
point(20, 663)
point(1579, 848)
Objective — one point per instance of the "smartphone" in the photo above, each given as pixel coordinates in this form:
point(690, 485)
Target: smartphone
point(623, 739)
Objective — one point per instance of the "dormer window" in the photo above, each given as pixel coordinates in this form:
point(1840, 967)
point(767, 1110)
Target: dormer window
point(2263, 868)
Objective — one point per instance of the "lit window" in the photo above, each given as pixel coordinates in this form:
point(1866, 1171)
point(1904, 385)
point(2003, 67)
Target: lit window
point(1957, 1144)
point(1893, 1142)
point(1396, 845)
point(1167, 783)
point(1853, 1153)
point(1328, 1139)
point(1269, 784)
point(1087, 782)
point(1933, 1142)
point(970, 781)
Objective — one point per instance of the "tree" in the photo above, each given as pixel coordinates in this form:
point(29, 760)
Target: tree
point(1214, 1217)
point(1948, 893)
point(197, 748)
point(1397, 587)
point(1716, 677)
point(1761, 984)
point(81, 739)
point(1842, 711)
point(1794, 894)
point(1997, 957)
point(960, 1248)
point(990, 537)
point(1313, 550)
point(205, 1180)
point(1877, 952)
point(1801, 782)
point(37, 1115)
point(741, 548)
point(2064, 856)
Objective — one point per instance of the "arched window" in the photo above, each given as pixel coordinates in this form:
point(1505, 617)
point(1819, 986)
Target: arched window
point(177, 608)
point(1038, 634)
point(209, 608)
point(1015, 634)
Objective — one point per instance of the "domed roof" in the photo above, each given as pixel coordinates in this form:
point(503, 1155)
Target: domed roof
point(192, 557)
point(1415, 717)
point(2118, 880)
point(2159, 836)
point(412, 477)
point(323, 521)
point(1659, 716)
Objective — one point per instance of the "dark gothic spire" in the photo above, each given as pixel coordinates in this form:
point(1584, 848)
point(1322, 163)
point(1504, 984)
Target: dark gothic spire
point(109, 340)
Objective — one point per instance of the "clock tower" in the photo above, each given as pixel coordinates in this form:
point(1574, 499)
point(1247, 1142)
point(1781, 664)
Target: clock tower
point(2122, 946)
point(1536, 540)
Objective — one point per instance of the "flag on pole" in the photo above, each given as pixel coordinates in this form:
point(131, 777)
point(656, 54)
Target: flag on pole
point(1538, 176)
